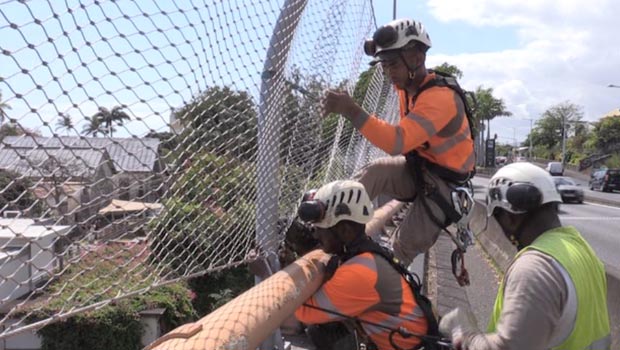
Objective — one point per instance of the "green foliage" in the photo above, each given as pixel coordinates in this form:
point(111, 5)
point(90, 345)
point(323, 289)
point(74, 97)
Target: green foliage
point(109, 328)
point(548, 129)
point(613, 162)
point(104, 121)
point(16, 194)
point(607, 132)
point(220, 121)
point(118, 326)
point(362, 85)
point(214, 290)
point(449, 69)
point(487, 107)
point(210, 210)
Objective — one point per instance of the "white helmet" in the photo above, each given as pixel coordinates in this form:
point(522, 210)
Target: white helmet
point(519, 188)
point(396, 35)
point(336, 201)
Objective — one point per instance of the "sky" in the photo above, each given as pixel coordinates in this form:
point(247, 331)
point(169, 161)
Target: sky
point(534, 54)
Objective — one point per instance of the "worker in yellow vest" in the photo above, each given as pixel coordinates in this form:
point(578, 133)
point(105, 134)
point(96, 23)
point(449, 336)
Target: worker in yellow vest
point(554, 294)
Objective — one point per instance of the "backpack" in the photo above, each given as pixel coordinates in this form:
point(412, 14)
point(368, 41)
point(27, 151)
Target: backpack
point(446, 80)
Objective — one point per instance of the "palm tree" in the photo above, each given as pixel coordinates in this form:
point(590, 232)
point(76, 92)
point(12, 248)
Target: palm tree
point(108, 118)
point(64, 122)
point(3, 107)
point(93, 127)
point(488, 107)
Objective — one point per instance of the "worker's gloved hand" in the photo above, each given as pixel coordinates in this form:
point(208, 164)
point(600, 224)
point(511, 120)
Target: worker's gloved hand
point(458, 324)
point(339, 102)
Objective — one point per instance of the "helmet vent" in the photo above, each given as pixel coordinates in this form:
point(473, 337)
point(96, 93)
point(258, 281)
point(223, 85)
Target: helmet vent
point(342, 209)
point(341, 196)
point(411, 31)
point(350, 196)
point(359, 194)
point(365, 212)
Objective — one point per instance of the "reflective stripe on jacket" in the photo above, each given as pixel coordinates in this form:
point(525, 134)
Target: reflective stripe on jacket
point(368, 287)
point(591, 329)
point(437, 120)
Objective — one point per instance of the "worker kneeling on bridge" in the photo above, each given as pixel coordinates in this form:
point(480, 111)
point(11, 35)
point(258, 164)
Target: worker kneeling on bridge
point(554, 294)
point(368, 300)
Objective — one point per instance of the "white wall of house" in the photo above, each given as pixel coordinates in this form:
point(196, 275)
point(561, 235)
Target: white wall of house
point(14, 275)
point(26, 255)
point(28, 340)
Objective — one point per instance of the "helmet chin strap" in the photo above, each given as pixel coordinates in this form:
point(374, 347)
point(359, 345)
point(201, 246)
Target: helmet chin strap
point(411, 71)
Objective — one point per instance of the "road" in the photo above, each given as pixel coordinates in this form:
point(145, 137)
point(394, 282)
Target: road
point(597, 223)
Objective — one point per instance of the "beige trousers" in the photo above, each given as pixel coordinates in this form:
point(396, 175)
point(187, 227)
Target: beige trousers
point(418, 232)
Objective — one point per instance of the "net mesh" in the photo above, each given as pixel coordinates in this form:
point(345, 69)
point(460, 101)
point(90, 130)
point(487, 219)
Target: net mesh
point(147, 142)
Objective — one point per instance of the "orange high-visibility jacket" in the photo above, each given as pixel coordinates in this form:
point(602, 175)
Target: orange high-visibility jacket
point(368, 287)
point(436, 127)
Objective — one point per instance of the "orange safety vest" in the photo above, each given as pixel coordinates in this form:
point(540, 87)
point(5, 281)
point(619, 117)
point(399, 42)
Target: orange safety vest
point(434, 125)
point(367, 287)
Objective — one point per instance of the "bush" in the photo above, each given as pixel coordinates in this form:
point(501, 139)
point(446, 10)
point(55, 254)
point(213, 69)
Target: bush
point(214, 290)
point(117, 326)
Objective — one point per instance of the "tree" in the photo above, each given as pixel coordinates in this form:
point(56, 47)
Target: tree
point(362, 85)
point(3, 107)
point(93, 127)
point(449, 69)
point(488, 107)
point(64, 122)
point(219, 120)
point(109, 118)
point(16, 194)
point(555, 122)
point(607, 134)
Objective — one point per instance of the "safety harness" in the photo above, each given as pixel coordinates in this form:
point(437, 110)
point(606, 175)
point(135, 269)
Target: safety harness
point(432, 340)
point(417, 163)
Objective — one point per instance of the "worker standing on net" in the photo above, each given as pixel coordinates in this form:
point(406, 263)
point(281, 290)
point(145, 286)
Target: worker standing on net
point(554, 294)
point(368, 299)
point(432, 142)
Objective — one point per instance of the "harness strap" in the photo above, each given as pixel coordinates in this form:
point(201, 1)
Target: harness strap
point(415, 163)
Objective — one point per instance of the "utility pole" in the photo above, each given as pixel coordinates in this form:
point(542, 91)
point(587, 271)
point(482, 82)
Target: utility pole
point(530, 137)
point(394, 10)
point(563, 141)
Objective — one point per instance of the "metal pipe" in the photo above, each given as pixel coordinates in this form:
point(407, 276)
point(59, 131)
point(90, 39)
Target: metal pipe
point(244, 322)
point(269, 125)
point(381, 216)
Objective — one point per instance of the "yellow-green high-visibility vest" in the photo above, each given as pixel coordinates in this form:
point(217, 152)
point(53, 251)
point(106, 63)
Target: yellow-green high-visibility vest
point(569, 249)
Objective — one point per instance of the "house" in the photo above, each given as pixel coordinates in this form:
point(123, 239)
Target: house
point(73, 183)
point(27, 256)
point(138, 169)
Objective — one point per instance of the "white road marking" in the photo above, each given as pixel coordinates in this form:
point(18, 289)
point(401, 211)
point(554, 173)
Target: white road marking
point(602, 205)
point(596, 218)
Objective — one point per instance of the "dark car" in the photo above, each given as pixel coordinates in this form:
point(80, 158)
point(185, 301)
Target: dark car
point(568, 190)
point(605, 180)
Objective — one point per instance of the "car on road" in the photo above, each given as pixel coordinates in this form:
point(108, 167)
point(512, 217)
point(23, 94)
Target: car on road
point(555, 168)
point(606, 180)
point(568, 189)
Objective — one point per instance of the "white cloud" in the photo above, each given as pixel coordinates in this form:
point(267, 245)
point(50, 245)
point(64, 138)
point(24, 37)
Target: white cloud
point(567, 51)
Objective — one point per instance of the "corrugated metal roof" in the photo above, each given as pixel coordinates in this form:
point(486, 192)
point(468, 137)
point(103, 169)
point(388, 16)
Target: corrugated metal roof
point(127, 154)
point(51, 162)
